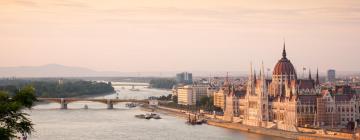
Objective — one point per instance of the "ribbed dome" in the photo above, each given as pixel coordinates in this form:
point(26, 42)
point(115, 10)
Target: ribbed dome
point(284, 66)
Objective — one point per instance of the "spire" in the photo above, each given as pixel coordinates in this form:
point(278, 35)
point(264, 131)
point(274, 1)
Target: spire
point(254, 75)
point(310, 74)
point(226, 82)
point(317, 82)
point(284, 51)
point(260, 75)
point(262, 70)
point(251, 72)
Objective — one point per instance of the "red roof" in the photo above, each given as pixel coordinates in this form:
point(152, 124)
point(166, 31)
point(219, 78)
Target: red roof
point(284, 66)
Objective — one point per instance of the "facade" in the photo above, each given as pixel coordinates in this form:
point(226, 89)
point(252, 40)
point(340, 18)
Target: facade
point(200, 90)
point(331, 76)
point(211, 90)
point(284, 102)
point(347, 107)
point(219, 98)
point(231, 105)
point(186, 95)
point(190, 94)
point(184, 78)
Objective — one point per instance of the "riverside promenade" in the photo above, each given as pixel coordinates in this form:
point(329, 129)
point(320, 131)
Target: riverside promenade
point(257, 130)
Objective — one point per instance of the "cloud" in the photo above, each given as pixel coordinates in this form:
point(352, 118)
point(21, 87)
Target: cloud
point(67, 3)
point(25, 3)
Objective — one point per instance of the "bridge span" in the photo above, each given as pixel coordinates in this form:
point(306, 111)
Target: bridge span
point(129, 84)
point(110, 102)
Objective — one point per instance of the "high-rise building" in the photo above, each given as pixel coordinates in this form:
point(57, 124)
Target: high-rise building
point(184, 78)
point(331, 75)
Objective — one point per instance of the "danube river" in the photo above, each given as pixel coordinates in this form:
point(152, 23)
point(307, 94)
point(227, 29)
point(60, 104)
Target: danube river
point(98, 123)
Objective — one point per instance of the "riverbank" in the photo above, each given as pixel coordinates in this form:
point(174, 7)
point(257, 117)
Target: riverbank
point(252, 129)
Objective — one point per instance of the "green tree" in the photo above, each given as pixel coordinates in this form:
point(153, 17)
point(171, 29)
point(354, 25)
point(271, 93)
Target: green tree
point(175, 99)
point(12, 120)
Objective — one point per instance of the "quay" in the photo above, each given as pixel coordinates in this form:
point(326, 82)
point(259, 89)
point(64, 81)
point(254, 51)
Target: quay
point(304, 135)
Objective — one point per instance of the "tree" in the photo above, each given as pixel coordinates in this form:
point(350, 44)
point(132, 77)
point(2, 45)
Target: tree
point(12, 120)
point(175, 99)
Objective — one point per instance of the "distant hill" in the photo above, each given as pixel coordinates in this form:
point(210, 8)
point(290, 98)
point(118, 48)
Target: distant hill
point(50, 70)
point(56, 70)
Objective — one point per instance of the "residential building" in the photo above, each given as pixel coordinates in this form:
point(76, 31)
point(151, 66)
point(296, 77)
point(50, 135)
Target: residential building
point(190, 94)
point(186, 95)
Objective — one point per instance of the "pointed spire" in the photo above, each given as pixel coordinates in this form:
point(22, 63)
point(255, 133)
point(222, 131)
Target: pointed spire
point(310, 75)
point(284, 51)
point(251, 72)
point(317, 82)
point(254, 75)
point(260, 75)
point(262, 70)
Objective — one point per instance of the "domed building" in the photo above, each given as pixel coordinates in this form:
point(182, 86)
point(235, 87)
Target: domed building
point(278, 102)
point(284, 69)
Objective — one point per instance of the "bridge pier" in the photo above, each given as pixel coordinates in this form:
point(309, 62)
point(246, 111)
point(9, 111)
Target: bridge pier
point(110, 105)
point(63, 104)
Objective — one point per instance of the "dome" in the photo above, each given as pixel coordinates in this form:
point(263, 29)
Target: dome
point(284, 66)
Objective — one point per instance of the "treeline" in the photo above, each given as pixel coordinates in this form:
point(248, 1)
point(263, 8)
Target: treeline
point(163, 83)
point(58, 89)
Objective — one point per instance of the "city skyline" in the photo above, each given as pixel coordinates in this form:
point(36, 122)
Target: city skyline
point(179, 36)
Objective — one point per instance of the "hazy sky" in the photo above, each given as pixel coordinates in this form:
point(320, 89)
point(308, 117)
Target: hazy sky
point(177, 35)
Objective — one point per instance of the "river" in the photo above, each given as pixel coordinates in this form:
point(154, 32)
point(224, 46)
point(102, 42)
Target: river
point(98, 123)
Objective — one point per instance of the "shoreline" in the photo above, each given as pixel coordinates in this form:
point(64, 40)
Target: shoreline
point(250, 129)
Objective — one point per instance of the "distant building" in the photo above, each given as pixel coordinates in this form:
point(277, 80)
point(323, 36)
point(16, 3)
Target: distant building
point(211, 90)
point(219, 99)
point(331, 75)
point(327, 114)
point(190, 94)
point(184, 78)
point(186, 95)
point(220, 96)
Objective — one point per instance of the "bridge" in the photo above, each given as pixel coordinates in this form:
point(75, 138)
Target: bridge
point(128, 84)
point(110, 102)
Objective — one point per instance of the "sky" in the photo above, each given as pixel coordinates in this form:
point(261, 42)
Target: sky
point(180, 35)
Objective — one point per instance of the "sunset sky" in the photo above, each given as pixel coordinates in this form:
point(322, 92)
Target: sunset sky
point(179, 35)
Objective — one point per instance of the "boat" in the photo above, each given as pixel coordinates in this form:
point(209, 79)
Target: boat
point(194, 120)
point(130, 105)
point(156, 117)
point(141, 116)
point(148, 116)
